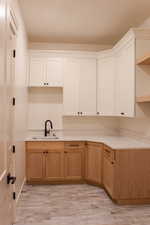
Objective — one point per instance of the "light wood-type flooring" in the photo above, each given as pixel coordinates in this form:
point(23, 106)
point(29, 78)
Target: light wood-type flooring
point(75, 205)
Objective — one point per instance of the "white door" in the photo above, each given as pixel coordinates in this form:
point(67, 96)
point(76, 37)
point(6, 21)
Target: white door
point(7, 204)
point(87, 87)
point(37, 72)
point(125, 80)
point(106, 85)
point(71, 84)
point(54, 72)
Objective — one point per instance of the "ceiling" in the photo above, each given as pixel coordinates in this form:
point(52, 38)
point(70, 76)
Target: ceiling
point(82, 21)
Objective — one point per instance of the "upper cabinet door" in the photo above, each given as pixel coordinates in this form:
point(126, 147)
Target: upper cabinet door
point(87, 87)
point(54, 72)
point(37, 72)
point(125, 80)
point(71, 84)
point(106, 85)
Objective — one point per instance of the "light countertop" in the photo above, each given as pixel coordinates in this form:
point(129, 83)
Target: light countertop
point(114, 142)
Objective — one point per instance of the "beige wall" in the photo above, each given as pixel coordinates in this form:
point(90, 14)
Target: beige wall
point(21, 97)
point(140, 125)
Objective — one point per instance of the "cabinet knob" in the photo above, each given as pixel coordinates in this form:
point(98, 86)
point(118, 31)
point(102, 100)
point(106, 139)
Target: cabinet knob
point(81, 113)
point(122, 113)
point(98, 113)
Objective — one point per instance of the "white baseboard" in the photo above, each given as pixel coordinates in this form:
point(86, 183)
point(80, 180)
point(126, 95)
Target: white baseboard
point(18, 196)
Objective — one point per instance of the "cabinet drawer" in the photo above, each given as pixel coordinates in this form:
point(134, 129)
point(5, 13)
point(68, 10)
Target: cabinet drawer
point(74, 145)
point(109, 153)
point(45, 145)
point(95, 145)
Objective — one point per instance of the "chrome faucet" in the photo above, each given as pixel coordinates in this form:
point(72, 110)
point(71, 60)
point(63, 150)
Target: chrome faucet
point(47, 131)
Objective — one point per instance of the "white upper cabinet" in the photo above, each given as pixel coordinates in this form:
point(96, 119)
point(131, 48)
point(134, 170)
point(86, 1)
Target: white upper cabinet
point(71, 84)
point(106, 84)
point(37, 73)
point(87, 87)
point(80, 87)
point(45, 72)
point(54, 72)
point(125, 79)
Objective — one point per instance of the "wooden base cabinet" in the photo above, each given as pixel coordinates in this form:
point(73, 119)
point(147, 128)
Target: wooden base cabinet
point(94, 163)
point(44, 161)
point(109, 171)
point(54, 165)
point(52, 162)
point(35, 165)
point(74, 161)
point(126, 175)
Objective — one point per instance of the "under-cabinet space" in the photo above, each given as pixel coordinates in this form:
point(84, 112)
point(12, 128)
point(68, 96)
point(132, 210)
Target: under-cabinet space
point(45, 103)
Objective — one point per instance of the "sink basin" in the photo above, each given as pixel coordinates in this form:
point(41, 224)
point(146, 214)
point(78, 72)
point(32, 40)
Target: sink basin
point(46, 138)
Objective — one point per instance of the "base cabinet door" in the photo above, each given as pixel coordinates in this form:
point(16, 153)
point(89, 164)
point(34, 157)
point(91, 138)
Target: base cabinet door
point(109, 181)
point(94, 163)
point(108, 176)
point(54, 165)
point(35, 165)
point(74, 164)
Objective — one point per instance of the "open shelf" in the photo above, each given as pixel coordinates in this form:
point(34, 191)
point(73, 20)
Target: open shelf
point(145, 60)
point(143, 99)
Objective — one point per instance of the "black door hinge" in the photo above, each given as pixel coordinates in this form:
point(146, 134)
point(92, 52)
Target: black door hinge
point(13, 149)
point(14, 195)
point(14, 101)
point(14, 53)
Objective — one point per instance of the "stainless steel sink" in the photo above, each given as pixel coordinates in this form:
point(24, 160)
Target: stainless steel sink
point(46, 138)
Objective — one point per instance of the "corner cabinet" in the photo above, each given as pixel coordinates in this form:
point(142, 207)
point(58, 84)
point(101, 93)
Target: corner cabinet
point(126, 175)
point(124, 54)
point(106, 83)
point(79, 87)
point(116, 79)
point(45, 72)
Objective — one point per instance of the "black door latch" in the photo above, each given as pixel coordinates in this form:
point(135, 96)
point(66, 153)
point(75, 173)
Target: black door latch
point(10, 179)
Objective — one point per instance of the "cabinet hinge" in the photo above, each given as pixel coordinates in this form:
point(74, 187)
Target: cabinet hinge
point(13, 149)
point(14, 53)
point(14, 195)
point(14, 101)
